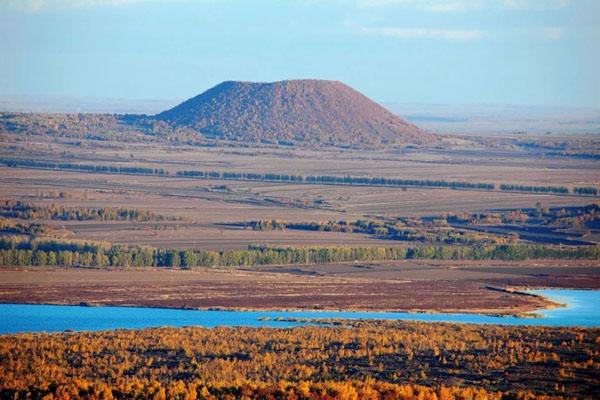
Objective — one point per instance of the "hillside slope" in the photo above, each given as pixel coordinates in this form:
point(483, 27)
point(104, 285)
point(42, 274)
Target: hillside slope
point(302, 111)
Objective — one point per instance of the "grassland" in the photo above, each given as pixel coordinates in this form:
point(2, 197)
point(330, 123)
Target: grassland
point(425, 286)
point(201, 213)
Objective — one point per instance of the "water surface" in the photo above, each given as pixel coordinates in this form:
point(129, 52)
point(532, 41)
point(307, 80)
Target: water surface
point(583, 309)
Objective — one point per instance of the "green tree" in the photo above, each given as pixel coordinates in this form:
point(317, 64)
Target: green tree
point(173, 259)
point(40, 258)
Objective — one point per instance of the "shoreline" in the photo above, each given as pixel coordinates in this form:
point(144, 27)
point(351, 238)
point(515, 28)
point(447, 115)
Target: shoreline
point(526, 312)
point(415, 288)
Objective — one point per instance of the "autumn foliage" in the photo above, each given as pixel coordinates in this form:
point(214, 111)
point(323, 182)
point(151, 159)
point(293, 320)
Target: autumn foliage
point(368, 360)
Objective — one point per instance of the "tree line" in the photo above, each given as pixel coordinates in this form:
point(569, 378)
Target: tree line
point(103, 169)
point(534, 189)
point(590, 191)
point(19, 209)
point(405, 229)
point(337, 180)
point(380, 181)
point(11, 227)
point(312, 179)
point(69, 253)
point(452, 228)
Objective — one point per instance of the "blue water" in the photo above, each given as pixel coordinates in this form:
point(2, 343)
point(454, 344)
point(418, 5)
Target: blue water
point(583, 310)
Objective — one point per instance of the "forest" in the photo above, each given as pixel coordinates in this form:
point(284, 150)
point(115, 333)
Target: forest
point(561, 217)
point(406, 229)
point(97, 127)
point(23, 210)
point(12, 228)
point(364, 360)
point(461, 228)
point(15, 251)
point(443, 237)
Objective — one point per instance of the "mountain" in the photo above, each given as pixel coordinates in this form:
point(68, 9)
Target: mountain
point(304, 111)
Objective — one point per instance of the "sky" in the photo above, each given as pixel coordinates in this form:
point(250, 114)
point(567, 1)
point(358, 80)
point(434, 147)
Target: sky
point(523, 52)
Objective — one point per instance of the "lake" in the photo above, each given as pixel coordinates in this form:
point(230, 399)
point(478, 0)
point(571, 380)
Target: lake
point(583, 309)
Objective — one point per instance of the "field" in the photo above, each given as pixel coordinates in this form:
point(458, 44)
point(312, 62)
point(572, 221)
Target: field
point(205, 205)
point(52, 217)
point(209, 214)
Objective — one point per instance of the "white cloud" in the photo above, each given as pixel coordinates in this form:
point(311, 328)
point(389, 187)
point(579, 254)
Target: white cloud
point(424, 33)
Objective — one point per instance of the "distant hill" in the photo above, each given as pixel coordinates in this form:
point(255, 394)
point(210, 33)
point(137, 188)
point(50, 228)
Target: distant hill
point(304, 111)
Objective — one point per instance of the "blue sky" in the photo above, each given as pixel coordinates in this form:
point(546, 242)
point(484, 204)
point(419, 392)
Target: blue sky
point(528, 52)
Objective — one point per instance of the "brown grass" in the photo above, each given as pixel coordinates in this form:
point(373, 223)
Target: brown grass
point(394, 286)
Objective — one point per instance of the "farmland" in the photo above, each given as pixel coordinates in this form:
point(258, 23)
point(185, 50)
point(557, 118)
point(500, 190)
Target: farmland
point(123, 235)
point(210, 214)
point(204, 207)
